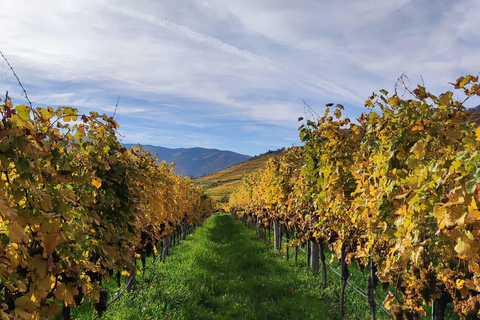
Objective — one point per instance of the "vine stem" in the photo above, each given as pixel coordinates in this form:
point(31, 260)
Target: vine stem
point(18, 79)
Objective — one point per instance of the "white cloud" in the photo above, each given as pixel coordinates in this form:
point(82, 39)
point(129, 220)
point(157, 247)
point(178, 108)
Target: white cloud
point(198, 63)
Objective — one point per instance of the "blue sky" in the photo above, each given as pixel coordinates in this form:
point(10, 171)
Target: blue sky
point(230, 75)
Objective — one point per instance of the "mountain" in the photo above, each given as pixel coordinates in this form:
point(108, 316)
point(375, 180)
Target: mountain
point(220, 184)
point(195, 161)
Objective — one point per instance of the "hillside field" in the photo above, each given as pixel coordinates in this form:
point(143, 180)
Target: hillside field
point(220, 184)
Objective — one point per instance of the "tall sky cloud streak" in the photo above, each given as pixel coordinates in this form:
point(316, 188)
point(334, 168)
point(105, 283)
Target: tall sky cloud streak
point(230, 74)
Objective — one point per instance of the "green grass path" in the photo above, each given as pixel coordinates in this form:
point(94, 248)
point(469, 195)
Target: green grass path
point(223, 271)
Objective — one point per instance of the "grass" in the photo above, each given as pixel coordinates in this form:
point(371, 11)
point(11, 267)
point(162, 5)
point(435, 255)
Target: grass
point(223, 271)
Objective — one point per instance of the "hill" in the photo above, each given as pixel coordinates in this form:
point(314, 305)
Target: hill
point(220, 184)
point(474, 115)
point(195, 161)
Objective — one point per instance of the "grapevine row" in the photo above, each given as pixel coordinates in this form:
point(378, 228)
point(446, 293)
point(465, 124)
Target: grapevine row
point(400, 186)
point(76, 207)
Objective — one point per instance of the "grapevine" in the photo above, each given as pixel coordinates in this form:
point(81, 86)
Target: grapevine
point(399, 186)
point(77, 207)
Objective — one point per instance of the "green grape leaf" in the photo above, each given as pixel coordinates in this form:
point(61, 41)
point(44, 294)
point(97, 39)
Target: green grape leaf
point(23, 112)
point(471, 185)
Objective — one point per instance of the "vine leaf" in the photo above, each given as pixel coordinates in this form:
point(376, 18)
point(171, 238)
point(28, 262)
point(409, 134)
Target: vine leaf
point(96, 183)
point(419, 149)
point(49, 243)
point(23, 112)
point(388, 300)
point(16, 233)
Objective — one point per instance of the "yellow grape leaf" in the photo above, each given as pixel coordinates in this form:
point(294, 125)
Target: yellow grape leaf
point(445, 98)
point(39, 265)
point(65, 293)
point(442, 224)
point(473, 212)
point(473, 204)
point(453, 135)
point(68, 194)
point(49, 243)
point(473, 266)
point(463, 246)
point(17, 233)
point(394, 101)
point(25, 306)
point(52, 226)
point(469, 235)
point(419, 149)
point(6, 212)
point(46, 204)
point(459, 283)
point(50, 311)
point(327, 110)
point(22, 314)
point(3, 315)
point(477, 132)
point(417, 127)
point(388, 300)
point(338, 113)
point(470, 284)
point(96, 183)
point(23, 112)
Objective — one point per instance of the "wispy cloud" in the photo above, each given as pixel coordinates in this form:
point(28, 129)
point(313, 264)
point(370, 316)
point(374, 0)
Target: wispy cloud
point(196, 36)
point(207, 72)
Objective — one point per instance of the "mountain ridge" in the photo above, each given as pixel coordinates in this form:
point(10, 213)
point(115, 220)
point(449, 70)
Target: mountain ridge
point(196, 161)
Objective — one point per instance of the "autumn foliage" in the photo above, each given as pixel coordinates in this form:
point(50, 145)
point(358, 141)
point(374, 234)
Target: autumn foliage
point(402, 184)
point(76, 207)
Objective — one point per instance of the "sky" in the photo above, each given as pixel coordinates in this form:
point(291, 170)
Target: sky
point(229, 74)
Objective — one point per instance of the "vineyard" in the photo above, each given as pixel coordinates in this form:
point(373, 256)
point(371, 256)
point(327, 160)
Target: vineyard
point(397, 192)
point(76, 207)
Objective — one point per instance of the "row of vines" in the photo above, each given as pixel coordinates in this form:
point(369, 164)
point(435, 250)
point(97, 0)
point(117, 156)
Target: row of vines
point(400, 186)
point(76, 207)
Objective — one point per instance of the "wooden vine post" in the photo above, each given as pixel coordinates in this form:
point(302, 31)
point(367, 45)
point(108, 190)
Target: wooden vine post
point(309, 253)
point(130, 280)
point(66, 313)
point(344, 278)
point(324, 263)
point(166, 244)
point(439, 305)
point(371, 286)
point(315, 266)
point(296, 253)
point(287, 235)
point(118, 276)
point(259, 229)
point(143, 258)
point(276, 235)
point(280, 237)
point(184, 231)
point(161, 250)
